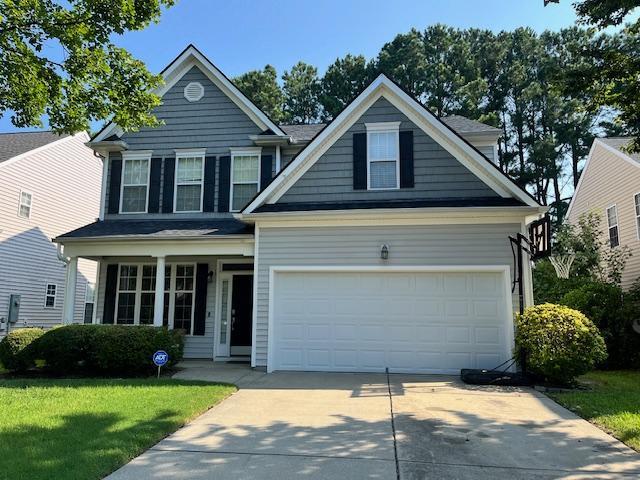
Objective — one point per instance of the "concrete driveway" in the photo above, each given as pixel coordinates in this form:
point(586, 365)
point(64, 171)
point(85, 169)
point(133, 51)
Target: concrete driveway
point(352, 426)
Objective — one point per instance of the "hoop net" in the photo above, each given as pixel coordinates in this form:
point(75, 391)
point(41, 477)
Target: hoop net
point(562, 264)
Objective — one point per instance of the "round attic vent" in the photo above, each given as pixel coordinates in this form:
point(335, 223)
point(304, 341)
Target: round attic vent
point(194, 91)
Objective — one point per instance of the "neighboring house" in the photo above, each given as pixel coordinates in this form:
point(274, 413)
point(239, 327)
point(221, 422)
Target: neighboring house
point(378, 240)
point(610, 186)
point(49, 184)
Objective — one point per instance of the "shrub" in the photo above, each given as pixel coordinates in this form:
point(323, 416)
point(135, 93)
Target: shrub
point(560, 343)
point(122, 350)
point(16, 351)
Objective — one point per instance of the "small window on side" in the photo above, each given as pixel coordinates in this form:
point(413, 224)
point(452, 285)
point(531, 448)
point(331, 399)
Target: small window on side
point(636, 202)
point(24, 208)
point(50, 295)
point(612, 223)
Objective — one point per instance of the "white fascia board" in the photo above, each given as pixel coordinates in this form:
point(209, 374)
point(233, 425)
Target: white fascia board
point(382, 86)
point(81, 135)
point(175, 71)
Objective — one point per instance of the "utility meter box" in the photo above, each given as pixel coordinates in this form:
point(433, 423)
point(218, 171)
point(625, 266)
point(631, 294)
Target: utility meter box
point(14, 308)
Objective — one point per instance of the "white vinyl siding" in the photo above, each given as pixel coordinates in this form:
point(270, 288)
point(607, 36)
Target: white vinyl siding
point(245, 178)
point(189, 183)
point(383, 156)
point(24, 207)
point(135, 184)
point(612, 224)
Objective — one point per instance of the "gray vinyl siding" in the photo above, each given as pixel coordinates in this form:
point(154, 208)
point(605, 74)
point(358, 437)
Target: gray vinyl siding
point(214, 123)
point(488, 151)
point(196, 346)
point(408, 245)
point(437, 173)
point(64, 180)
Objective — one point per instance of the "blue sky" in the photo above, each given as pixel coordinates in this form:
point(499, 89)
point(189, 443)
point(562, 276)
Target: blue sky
point(241, 35)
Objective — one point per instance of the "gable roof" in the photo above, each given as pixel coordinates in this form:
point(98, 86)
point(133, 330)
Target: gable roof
point(447, 137)
point(18, 143)
point(614, 145)
point(173, 72)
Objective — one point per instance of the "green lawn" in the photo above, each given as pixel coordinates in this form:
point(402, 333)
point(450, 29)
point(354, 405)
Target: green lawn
point(86, 428)
point(612, 403)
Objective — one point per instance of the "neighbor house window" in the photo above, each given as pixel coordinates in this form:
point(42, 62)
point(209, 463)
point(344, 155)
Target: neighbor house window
point(612, 222)
point(383, 155)
point(135, 182)
point(189, 177)
point(24, 207)
point(636, 201)
point(136, 295)
point(245, 175)
point(50, 295)
point(89, 302)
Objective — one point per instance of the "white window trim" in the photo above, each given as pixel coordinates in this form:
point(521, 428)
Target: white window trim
point(636, 215)
point(172, 291)
point(20, 203)
point(383, 127)
point(238, 152)
point(188, 153)
point(135, 155)
point(46, 294)
point(609, 226)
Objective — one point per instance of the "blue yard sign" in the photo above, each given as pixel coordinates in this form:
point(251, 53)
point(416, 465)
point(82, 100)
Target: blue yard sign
point(160, 358)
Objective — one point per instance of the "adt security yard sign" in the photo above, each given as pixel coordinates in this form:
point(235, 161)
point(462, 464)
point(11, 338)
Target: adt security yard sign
point(160, 358)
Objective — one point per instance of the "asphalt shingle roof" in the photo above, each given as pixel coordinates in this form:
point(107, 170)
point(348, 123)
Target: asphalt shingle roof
point(619, 143)
point(161, 228)
point(304, 133)
point(14, 144)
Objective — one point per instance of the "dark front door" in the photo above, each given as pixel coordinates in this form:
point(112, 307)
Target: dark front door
point(241, 314)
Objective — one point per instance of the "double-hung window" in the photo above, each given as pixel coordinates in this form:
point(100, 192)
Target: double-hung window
point(50, 295)
point(612, 223)
point(245, 177)
point(383, 155)
point(636, 202)
point(24, 207)
point(189, 181)
point(136, 295)
point(135, 182)
point(89, 302)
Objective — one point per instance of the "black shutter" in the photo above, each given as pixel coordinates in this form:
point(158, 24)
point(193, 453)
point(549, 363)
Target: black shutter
point(115, 176)
point(406, 159)
point(359, 161)
point(208, 204)
point(110, 293)
point(154, 185)
point(223, 185)
point(200, 310)
point(167, 187)
point(266, 167)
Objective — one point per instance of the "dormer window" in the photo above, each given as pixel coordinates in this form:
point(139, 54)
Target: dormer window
point(383, 155)
point(189, 178)
point(135, 182)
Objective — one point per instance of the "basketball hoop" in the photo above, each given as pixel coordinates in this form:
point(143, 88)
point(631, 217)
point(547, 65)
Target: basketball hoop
point(562, 264)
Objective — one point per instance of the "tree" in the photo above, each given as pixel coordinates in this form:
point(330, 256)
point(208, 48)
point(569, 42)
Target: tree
point(343, 81)
point(302, 93)
point(92, 80)
point(261, 86)
point(403, 59)
point(613, 78)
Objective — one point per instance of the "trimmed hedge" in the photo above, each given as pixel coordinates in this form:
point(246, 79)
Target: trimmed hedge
point(16, 349)
point(122, 350)
point(560, 343)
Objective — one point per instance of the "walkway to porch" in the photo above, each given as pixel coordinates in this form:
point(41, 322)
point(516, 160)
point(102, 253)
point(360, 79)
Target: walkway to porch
point(239, 374)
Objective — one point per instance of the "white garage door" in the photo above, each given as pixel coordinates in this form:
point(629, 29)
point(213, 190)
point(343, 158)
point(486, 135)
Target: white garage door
point(423, 322)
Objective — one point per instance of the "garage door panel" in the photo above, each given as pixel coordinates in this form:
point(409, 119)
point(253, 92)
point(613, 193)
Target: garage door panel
point(435, 322)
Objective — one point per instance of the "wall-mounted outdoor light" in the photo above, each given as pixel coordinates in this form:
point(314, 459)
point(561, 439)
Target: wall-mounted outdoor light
point(384, 252)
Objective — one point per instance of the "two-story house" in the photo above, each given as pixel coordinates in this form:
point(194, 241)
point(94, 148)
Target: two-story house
point(49, 184)
point(610, 187)
point(379, 240)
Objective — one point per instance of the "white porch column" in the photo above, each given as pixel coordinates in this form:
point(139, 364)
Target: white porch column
point(158, 305)
point(68, 306)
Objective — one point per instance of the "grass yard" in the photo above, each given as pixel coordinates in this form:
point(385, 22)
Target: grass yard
point(613, 404)
point(86, 428)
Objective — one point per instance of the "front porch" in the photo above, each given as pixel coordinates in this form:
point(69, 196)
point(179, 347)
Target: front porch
point(204, 288)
